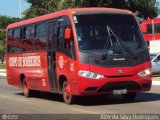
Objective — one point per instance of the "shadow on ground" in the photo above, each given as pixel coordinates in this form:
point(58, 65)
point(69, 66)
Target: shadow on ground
point(98, 100)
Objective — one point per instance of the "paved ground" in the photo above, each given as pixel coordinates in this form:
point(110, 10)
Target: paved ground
point(12, 101)
point(2, 72)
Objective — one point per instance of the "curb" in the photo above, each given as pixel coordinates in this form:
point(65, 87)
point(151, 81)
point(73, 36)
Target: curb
point(156, 78)
point(2, 70)
point(155, 82)
point(3, 74)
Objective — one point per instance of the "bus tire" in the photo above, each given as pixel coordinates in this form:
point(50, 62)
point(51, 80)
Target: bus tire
point(67, 97)
point(26, 90)
point(129, 96)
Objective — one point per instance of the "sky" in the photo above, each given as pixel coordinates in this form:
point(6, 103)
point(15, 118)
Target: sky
point(12, 7)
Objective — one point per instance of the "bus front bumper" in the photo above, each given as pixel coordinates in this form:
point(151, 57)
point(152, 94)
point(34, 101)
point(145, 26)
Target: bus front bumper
point(104, 86)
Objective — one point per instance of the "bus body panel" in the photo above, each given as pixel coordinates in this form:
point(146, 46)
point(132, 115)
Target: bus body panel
point(33, 66)
point(68, 68)
point(111, 75)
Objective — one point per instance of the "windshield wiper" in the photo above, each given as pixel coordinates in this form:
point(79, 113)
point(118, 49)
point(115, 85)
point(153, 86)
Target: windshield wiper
point(118, 40)
point(108, 40)
point(124, 44)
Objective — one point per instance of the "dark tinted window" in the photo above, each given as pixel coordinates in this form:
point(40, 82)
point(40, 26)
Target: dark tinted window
point(149, 28)
point(9, 40)
point(41, 36)
point(110, 33)
point(157, 28)
point(52, 35)
point(63, 23)
point(17, 34)
point(61, 31)
point(28, 38)
point(61, 37)
point(65, 46)
point(16, 43)
point(30, 32)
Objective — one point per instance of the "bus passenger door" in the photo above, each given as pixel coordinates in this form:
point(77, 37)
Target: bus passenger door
point(52, 55)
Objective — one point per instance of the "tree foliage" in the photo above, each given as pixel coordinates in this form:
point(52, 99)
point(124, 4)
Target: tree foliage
point(4, 22)
point(2, 49)
point(41, 7)
point(145, 8)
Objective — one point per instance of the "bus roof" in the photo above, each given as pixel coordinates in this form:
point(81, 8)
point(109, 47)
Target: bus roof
point(64, 12)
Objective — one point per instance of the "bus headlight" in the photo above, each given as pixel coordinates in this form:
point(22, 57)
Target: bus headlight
point(145, 72)
point(91, 75)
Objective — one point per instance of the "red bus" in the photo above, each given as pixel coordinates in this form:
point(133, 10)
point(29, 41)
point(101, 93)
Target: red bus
point(151, 30)
point(79, 52)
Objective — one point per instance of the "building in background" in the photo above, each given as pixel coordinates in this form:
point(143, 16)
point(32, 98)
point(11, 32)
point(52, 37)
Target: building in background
point(151, 30)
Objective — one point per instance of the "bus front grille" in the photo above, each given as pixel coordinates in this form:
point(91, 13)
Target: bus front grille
point(110, 86)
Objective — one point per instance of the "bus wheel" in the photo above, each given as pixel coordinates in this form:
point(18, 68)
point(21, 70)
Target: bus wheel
point(26, 90)
point(67, 97)
point(129, 96)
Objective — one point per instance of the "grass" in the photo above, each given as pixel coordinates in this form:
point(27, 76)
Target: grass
point(2, 66)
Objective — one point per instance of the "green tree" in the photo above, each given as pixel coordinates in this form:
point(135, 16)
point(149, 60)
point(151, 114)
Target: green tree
point(145, 8)
point(4, 22)
point(41, 7)
point(2, 45)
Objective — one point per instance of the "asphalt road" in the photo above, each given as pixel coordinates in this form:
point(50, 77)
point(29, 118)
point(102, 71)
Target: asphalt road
point(12, 101)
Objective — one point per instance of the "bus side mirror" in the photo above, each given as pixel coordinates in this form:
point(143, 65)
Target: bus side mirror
point(67, 33)
point(143, 27)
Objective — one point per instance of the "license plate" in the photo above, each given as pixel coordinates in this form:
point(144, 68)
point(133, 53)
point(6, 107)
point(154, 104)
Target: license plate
point(119, 92)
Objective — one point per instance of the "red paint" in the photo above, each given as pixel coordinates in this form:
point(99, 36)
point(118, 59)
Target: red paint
point(34, 75)
point(83, 83)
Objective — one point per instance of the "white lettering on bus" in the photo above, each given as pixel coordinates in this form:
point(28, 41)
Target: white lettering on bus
point(27, 61)
point(13, 61)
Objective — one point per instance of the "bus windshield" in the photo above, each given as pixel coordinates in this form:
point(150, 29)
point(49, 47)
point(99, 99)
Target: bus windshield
point(109, 33)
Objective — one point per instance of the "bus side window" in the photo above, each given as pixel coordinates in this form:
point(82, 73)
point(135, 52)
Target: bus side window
point(60, 40)
point(66, 46)
point(9, 41)
point(63, 23)
point(16, 43)
point(41, 36)
point(28, 38)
